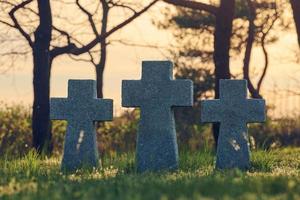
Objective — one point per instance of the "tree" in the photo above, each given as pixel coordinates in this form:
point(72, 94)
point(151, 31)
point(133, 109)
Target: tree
point(248, 23)
point(39, 42)
point(44, 51)
point(224, 15)
point(261, 17)
point(99, 48)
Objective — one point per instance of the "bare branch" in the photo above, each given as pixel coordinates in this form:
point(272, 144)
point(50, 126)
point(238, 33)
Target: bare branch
point(7, 24)
point(15, 53)
point(90, 17)
point(114, 4)
point(16, 23)
point(263, 38)
point(138, 45)
point(249, 44)
point(194, 5)
point(23, 7)
point(62, 32)
point(81, 59)
point(72, 49)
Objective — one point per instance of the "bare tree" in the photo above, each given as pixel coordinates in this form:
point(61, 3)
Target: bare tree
point(260, 33)
point(43, 53)
point(98, 56)
point(39, 42)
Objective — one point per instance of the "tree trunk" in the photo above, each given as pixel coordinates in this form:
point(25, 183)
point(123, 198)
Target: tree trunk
point(99, 77)
point(249, 45)
point(100, 69)
point(222, 37)
point(296, 12)
point(41, 80)
point(103, 53)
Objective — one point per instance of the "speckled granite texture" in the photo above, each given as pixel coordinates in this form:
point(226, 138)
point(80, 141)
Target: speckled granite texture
point(233, 110)
point(81, 109)
point(156, 94)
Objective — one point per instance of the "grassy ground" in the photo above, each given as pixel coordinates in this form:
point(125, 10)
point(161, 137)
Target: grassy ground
point(274, 175)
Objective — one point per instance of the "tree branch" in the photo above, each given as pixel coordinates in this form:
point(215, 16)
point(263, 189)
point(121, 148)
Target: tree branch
point(62, 32)
point(194, 5)
point(72, 49)
point(250, 40)
point(114, 4)
point(126, 43)
point(7, 24)
point(265, 52)
point(16, 23)
point(90, 17)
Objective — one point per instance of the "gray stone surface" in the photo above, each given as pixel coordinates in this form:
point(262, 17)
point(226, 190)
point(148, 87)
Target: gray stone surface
point(156, 94)
point(81, 109)
point(233, 110)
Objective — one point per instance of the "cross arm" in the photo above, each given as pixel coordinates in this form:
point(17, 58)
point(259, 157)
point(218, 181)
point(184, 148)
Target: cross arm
point(131, 92)
point(210, 110)
point(183, 93)
point(103, 110)
point(58, 108)
point(256, 110)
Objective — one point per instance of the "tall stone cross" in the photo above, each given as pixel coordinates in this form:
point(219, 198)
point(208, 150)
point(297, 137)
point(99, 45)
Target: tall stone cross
point(156, 94)
point(233, 110)
point(81, 109)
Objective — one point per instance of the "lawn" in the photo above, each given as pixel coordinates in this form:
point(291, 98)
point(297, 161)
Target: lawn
point(274, 175)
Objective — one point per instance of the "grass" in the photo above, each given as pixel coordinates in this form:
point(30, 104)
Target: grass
point(273, 175)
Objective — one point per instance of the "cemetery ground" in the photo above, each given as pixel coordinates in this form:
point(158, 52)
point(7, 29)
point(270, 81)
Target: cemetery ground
point(274, 174)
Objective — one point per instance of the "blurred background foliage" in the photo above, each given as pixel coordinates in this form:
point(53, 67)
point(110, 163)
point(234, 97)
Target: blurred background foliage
point(120, 135)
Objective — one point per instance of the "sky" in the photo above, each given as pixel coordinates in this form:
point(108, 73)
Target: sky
point(124, 62)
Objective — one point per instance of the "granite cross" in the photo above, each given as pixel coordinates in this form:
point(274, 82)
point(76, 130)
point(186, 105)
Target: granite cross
point(156, 94)
point(81, 109)
point(233, 110)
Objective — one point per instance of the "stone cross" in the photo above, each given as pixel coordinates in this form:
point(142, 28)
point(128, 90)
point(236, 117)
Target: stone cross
point(156, 94)
point(233, 110)
point(81, 109)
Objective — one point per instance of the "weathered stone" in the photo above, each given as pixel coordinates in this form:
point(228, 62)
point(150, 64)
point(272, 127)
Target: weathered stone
point(233, 110)
point(156, 94)
point(81, 109)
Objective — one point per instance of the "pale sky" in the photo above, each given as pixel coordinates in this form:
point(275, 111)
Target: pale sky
point(124, 62)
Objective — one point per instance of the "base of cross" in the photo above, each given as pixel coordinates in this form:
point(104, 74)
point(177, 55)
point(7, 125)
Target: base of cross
point(157, 148)
point(233, 149)
point(80, 148)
